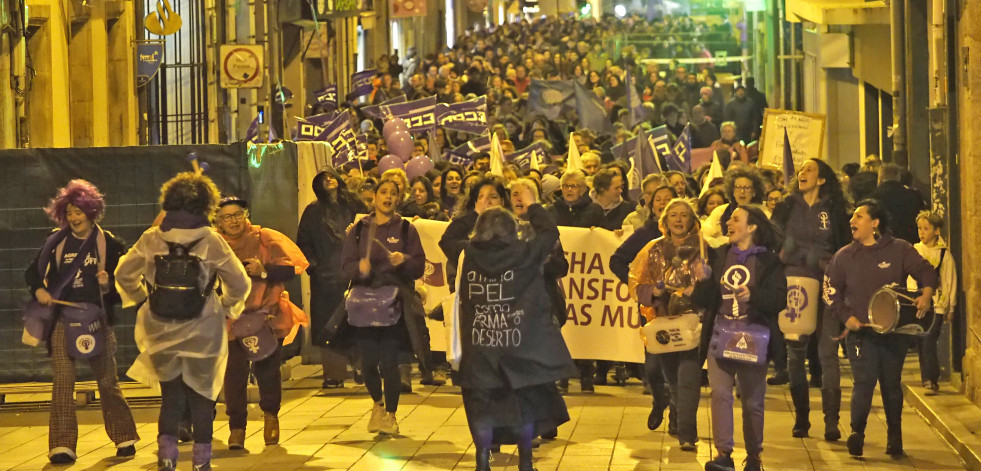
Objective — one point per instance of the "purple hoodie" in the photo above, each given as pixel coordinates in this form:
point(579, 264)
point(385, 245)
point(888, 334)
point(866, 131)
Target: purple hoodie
point(389, 235)
point(857, 271)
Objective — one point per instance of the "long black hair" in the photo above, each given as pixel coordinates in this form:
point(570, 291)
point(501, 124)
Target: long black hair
point(442, 182)
point(766, 235)
point(831, 190)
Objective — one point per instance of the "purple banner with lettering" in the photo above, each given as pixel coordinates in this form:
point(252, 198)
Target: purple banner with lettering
point(468, 116)
point(327, 97)
point(361, 82)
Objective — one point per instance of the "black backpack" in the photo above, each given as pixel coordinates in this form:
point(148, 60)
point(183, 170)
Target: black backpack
point(176, 294)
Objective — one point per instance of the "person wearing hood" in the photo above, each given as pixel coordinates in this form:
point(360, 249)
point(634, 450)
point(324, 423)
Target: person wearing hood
point(814, 221)
point(320, 236)
point(576, 208)
point(872, 260)
point(53, 276)
point(271, 259)
point(183, 349)
point(933, 248)
point(608, 186)
point(512, 348)
point(382, 257)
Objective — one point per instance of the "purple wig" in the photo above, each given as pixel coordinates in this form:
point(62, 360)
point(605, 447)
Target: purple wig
point(81, 194)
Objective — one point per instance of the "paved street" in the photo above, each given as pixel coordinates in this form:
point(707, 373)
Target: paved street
point(326, 430)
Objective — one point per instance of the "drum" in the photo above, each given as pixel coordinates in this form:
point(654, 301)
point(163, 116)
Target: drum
point(800, 317)
point(672, 334)
point(892, 310)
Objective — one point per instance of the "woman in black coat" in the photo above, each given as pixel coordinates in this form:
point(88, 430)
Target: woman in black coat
point(513, 350)
point(320, 236)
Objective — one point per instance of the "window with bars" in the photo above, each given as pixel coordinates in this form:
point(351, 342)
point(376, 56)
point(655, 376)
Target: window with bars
point(177, 97)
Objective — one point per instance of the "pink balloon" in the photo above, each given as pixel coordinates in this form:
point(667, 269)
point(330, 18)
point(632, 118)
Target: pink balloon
point(389, 162)
point(400, 144)
point(418, 166)
point(393, 126)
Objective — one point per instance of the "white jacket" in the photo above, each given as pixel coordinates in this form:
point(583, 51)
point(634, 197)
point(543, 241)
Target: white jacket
point(197, 349)
point(945, 299)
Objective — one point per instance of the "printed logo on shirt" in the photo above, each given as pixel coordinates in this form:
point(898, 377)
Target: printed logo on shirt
point(392, 240)
point(736, 275)
point(884, 265)
point(824, 218)
point(828, 291)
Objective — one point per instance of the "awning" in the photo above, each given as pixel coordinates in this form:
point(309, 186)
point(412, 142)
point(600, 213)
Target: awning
point(838, 12)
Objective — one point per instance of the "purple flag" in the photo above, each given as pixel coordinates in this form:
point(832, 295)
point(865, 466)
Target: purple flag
point(592, 114)
point(338, 133)
point(788, 160)
point(375, 111)
point(522, 158)
point(474, 146)
point(327, 97)
point(468, 116)
point(682, 149)
point(361, 82)
point(253, 132)
point(661, 143)
point(310, 127)
point(419, 115)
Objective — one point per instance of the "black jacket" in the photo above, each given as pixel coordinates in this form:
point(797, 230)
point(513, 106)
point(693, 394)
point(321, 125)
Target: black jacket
point(509, 337)
point(115, 248)
point(321, 232)
point(812, 234)
point(766, 299)
point(902, 204)
point(454, 239)
point(583, 213)
point(613, 219)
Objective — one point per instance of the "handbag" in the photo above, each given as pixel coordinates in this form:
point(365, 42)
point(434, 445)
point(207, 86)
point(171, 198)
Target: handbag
point(372, 307)
point(84, 334)
point(739, 340)
point(255, 335)
point(451, 320)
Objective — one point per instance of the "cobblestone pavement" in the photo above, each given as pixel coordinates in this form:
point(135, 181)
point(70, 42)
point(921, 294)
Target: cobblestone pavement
point(326, 430)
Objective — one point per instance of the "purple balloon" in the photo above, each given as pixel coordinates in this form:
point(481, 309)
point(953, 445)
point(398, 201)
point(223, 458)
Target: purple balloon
point(400, 144)
point(393, 126)
point(389, 162)
point(418, 166)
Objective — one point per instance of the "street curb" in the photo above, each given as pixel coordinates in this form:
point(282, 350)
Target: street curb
point(957, 435)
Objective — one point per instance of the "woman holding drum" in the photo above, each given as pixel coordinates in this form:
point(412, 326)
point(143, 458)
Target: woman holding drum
point(663, 275)
point(814, 220)
point(872, 261)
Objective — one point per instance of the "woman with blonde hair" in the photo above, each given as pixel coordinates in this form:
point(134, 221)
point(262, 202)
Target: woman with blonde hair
point(662, 278)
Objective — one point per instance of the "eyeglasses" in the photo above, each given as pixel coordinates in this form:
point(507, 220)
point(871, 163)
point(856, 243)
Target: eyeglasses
point(570, 186)
point(232, 217)
point(743, 188)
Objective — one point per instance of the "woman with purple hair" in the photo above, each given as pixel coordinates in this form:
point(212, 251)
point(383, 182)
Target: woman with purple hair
point(54, 277)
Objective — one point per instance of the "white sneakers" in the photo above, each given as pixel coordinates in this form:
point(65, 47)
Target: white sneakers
point(377, 413)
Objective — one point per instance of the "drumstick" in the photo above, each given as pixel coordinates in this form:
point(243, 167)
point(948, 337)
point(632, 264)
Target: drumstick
point(372, 229)
point(380, 244)
point(66, 303)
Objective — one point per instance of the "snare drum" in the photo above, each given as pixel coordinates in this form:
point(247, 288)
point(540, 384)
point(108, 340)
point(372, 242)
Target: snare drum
point(892, 311)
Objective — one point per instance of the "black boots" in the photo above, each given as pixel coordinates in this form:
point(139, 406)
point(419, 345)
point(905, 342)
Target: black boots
point(831, 404)
point(525, 460)
point(483, 459)
point(894, 442)
point(802, 408)
point(856, 443)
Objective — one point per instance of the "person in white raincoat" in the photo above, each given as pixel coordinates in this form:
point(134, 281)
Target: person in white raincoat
point(185, 358)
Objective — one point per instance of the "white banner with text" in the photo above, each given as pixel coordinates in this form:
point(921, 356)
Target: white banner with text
point(603, 323)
